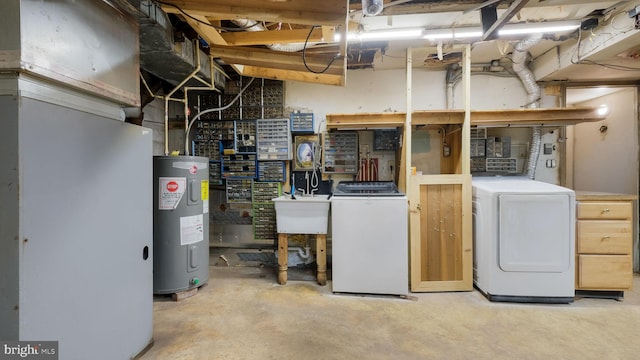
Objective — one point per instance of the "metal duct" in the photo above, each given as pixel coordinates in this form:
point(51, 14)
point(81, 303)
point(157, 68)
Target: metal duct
point(453, 72)
point(252, 25)
point(372, 7)
point(519, 58)
point(161, 56)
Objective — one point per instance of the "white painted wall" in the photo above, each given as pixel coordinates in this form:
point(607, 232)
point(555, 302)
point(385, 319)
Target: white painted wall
point(608, 161)
point(385, 91)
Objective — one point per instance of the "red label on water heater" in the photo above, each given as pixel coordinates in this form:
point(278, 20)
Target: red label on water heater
point(193, 169)
point(172, 186)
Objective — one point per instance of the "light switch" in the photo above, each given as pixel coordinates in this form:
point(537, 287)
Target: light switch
point(548, 149)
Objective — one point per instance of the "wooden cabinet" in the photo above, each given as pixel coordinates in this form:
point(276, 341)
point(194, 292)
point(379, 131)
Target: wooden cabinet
point(441, 244)
point(604, 238)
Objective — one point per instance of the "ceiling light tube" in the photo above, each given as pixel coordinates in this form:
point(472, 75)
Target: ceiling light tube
point(461, 33)
point(539, 28)
point(398, 34)
point(464, 33)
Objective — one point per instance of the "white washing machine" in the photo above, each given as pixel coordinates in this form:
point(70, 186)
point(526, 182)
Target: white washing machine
point(369, 238)
point(524, 240)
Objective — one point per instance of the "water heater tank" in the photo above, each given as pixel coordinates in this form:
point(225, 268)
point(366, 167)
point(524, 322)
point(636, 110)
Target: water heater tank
point(180, 223)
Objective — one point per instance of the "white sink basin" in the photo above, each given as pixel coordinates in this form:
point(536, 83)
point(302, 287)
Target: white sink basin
point(304, 215)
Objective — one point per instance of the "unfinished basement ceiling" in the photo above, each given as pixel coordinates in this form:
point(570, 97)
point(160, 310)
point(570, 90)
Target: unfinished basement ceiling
point(242, 34)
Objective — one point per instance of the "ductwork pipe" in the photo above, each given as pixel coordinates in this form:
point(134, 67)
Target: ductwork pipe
point(533, 96)
point(519, 57)
point(534, 151)
point(453, 72)
point(372, 7)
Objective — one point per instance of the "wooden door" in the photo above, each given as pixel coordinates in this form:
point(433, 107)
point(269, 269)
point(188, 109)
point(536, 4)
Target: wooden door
point(440, 233)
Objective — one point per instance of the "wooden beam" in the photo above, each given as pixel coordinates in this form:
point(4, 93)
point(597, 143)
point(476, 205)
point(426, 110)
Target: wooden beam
point(288, 75)
point(273, 37)
point(517, 117)
point(208, 33)
point(492, 32)
point(275, 59)
point(308, 12)
point(437, 117)
point(365, 120)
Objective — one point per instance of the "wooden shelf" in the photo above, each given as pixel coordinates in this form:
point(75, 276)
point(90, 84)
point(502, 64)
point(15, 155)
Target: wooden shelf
point(365, 121)
point(517, 117)
point(532, 117)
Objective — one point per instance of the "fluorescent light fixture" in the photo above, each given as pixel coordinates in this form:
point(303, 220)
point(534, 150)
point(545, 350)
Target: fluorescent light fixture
point(463, 33)
point(539, 28)
point(467, 33)
point(398, 34)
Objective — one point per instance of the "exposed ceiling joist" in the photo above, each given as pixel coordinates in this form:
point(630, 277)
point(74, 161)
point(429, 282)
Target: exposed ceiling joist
point(276, 59)
point(330, 15)
point(288, 75)
point(605, 48)
point(273, 37)
point(307, 12)
point(198, 23)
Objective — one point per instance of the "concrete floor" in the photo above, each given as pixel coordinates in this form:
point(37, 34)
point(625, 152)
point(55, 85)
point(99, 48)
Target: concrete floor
point(244, 314)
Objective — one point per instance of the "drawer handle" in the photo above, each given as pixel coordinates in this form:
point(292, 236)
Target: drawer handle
point(605, 210)
point(606, 237)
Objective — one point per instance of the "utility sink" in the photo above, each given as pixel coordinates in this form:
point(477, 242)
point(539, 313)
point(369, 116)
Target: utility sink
point(302, 215)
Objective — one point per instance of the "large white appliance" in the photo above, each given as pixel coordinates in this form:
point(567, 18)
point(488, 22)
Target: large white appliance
point(524, 240)
point(369, 239)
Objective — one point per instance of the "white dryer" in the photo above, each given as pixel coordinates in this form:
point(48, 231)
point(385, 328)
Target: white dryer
point(524, 240)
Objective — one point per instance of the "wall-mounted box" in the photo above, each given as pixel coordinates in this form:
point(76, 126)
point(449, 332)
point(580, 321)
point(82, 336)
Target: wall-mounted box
point(274, 139)
point(272, 171)
point(340, 152)
point(302, 122)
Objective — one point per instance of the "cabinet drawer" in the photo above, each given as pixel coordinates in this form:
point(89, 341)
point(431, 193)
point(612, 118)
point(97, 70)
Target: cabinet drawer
point(604, 210)
point(604, 237)
point(605, 272)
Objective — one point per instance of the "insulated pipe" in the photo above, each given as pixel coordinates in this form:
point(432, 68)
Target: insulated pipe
point(166, 104)
point(519, 58)
point(453, 72)
point(534, 151)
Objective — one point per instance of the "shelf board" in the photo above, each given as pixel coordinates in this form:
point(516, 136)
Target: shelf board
point(532, 117)
point(365, 120)
point(517, 117)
